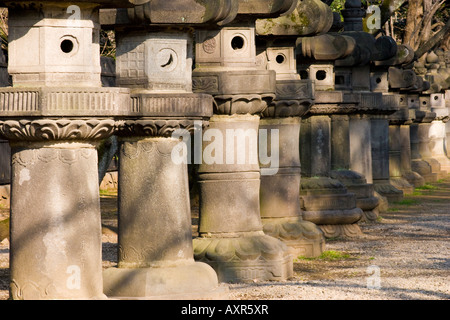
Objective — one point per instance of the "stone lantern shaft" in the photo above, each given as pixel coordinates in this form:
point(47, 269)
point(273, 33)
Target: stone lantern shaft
point(54, 116)
point(230, 228)
point(154, 60)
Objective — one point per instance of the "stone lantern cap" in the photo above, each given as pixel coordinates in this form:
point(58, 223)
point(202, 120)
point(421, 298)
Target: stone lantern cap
point(309, 17)
point(368, 49)
point(174, 12)
point(266, 8)
point(326, 47)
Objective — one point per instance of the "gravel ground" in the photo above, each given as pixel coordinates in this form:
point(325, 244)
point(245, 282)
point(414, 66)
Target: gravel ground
point(403, 256)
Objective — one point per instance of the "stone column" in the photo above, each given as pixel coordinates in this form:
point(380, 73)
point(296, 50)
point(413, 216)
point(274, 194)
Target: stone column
point(437, 130)
point(230, 228)
point(398, 158)
point(156, 253)
point(55, 210)
point(380, 158)
point(419, 139)
point(350, 155)
point(54, 117)
point(404, 137)
point(423, 132)
point(279, 194)
point(384, 80)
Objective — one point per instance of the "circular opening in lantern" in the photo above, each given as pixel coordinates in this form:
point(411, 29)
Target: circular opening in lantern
point(67, 46)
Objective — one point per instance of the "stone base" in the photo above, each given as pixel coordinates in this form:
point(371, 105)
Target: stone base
point(190, 281)
point(444, 162)
point(341, 230)
point(387, 190)
point(304, 238)
point(356, 183)
point(424, 169)
point(370, 215)
point(402, 184)
point(369, 206)
point(383, 204)
point(325, 201)
point(436, 168)
point(415, 179)
point(246, 258)
point(324, 217)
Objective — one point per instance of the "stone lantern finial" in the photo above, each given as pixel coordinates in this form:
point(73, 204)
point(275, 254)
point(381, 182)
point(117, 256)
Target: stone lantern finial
point(353, 15)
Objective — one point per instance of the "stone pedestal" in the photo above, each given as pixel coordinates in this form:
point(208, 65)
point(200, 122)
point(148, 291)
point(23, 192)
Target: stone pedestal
point(231, 233)
point(280, 204)
point(55, 207)
point(437, 130)
point(156, 254)
point(380, 151)
point(280, 125)
point(350, 156)
point(398, 158)
point(422, 161)
point(54, 116)
point(230, 228)
point(325, 201)
point(55, 217)
point(155, 239)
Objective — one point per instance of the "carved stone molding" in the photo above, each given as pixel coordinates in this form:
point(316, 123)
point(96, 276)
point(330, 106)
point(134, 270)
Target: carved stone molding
point(287, 108)
point(174, 105)
point(56, 129)
point(155, 127)
point(48, 102)
point(242, 104)
point(240, 251)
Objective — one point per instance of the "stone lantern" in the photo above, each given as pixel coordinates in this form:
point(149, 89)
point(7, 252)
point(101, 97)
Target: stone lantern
point(154, 60)
point(351, 130)
point(231, 237)
point(325, 200)
point(279, 194)
point(386, 149)
point(434, 70)
point(54, 116)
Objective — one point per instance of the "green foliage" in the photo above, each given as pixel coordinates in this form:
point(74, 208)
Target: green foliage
point(329, 255)
point(427, 187)
point(407, 202)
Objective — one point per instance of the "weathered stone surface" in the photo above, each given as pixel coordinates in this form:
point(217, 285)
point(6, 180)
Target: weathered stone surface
point(231, 232)
point(71, 54)
point(179, 12)
point(155, 235)
point(324, 200)
point(300, 21)
point(279, 193)
point(230, 212)
point(59, 260)
point(54, 116)
point(437, 130)
point(155, 254)
point(158, 62)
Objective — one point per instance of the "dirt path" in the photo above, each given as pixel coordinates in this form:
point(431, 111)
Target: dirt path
point(405, 255)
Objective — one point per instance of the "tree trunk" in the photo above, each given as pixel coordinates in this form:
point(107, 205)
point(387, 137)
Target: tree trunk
point(413, 23)
point(443, 34)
